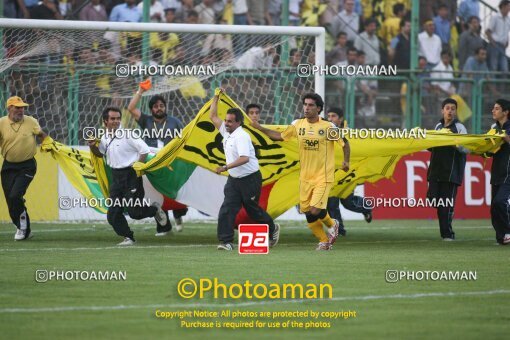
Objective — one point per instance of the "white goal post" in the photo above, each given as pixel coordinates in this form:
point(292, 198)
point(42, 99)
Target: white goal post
point(319, 33)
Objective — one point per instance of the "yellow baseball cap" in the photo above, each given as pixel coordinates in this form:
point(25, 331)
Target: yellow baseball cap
point(15, 101)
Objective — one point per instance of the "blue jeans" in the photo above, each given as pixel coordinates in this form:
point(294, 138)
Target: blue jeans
point(239, 40)
point(351, 202)
point(10, 10)
point(497, 58)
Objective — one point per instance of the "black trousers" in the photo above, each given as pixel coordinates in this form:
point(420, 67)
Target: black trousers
point(168, 227)
point(180, 212)
point(164, 228)
point(16, 177)
point(241, 192)
point(125, 184)
point(442, 191)
point(500, 210)
point(351, 202)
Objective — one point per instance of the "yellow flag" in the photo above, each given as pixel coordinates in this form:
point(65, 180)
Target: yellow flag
point(463, 109)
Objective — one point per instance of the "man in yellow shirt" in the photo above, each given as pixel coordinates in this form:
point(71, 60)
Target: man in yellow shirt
point(18, 147)
point(391, 26)
point(317, 159)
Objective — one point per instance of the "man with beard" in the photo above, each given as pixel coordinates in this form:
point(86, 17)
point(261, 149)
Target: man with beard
point(159, 129)
point(317, 166)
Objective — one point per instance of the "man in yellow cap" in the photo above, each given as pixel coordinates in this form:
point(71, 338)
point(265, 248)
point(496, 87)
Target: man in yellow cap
point(18, 147)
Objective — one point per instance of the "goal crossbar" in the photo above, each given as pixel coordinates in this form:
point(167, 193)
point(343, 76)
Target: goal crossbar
point(318, 32)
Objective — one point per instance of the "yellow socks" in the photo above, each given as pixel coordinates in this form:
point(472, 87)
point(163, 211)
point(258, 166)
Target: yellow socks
point(318, 231)
point(328, 221)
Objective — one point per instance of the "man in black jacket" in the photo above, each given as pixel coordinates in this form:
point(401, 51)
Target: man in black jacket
point(500, 174)
point(446, 170)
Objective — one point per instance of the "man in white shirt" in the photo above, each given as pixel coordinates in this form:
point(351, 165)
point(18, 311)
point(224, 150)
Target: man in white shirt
point(121, 150)
point(443, 70)
point(206, 14)
point(346, 21)
point(256, 57)
point(497, 33)
point(430, 44)
point(368, 42)
point(294, 10)
point(244, 182)
point(156, 11)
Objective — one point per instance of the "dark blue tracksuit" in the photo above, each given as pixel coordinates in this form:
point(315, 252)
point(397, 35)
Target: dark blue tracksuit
point(500, 181)
point(445, 175)
point(351, 202)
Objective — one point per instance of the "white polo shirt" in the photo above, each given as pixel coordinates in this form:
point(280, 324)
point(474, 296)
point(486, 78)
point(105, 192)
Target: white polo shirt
point(430, 47)
point(122, 150)
point(235, 145)
point(500, 27)
point(436, 73)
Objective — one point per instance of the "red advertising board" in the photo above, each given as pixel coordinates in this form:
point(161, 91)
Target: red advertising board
point(410, 182)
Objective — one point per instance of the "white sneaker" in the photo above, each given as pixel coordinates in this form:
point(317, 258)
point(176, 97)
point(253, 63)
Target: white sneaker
point(506, 240)
point(178, 224)
point(160, 216)
point(448, 239)
point(21, 235)
point(127, 242)
point(324, 246)
point(333, 232)
point(225, 246)
point(163, 233)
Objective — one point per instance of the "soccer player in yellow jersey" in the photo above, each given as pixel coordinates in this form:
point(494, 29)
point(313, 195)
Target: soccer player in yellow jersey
point(317, 158)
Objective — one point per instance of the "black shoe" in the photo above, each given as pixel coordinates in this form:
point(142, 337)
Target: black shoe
point(368, 216)
point(276, 235)
point(162, 230)
point(342, 231)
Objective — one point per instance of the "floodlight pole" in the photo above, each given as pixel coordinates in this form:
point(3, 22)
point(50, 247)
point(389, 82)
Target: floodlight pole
point(415, 94)
point(145, 35)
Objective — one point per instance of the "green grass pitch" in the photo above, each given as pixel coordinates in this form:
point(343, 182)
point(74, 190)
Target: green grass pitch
point(355, 268)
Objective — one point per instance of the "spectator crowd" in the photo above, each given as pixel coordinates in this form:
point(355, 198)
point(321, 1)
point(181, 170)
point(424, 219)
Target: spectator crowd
point(376, 27)
point(372, 32)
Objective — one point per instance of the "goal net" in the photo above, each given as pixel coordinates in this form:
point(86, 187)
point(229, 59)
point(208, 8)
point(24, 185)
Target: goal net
point(69, 71)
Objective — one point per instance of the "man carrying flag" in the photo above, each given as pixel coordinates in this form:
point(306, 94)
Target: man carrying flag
point(317, 160)
point(160, 128)
point(446, 170)
point(352, 202)
point(18, 147)
point(500, 174)
point(244, 182)
point(121, 151)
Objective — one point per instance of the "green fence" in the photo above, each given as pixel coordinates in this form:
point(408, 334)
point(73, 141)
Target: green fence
point(57, 96)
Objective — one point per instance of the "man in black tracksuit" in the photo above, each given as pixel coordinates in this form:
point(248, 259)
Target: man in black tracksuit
point(446, 170)
point(352, 202)
point(500, 174)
